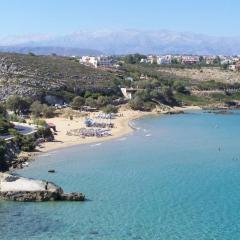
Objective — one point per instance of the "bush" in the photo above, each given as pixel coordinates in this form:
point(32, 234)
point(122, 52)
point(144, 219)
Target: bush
point(149, 106)
point(5, 126)
point(36, 109)
point(110, 109)
point(103, 101)
point(25, 143)
point(15, 118)
point(3, 151)
point(48, 112)
point(45, 133)
point(3, 111)
point(180, 87)
point(90, 102)
point(18, 104)
point(77, 103)
point(136, 104)
point(40, 122)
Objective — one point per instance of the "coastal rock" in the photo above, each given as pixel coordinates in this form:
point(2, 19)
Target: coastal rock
point(15, 188)
point(172, 112)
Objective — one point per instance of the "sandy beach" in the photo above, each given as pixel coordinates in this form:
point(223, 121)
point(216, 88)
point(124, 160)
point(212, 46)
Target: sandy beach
point(121, 128)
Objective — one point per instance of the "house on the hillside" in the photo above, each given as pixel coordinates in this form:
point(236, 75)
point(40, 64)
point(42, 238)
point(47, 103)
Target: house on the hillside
point(164, 60)
point(209, 60)
point(190, 60)
point(89, 61)
point(152, 59)
point(101, 61)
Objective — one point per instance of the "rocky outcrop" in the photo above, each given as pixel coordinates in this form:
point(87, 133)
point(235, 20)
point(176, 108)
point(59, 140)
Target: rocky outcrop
point(15, 188)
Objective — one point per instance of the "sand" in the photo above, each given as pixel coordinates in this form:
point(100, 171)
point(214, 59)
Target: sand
point(121, 128)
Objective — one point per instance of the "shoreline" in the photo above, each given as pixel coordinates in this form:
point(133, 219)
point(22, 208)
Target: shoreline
point(118, 132)
point(123, 127)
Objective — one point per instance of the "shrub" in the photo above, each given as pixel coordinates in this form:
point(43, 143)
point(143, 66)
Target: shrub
point(25, 143)
point(40, 122)
point(136, 103)
point(18, 104)
point(36, 109)
point(103, 101)
point(44, 133)
point(48, 112)
point(15, 118)
point(90, 102)
point(110, 109)
point(5, 126)
point(3, 151)
point(3, 111)
point(78, 102)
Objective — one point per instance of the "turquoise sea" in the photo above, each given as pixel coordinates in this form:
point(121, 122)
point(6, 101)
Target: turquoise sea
point(175, 178)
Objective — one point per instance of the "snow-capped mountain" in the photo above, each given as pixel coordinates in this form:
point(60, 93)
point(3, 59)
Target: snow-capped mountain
point(132, 41)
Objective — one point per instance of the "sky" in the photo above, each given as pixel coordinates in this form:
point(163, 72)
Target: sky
point(210, 17)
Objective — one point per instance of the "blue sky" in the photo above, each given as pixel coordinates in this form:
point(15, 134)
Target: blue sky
point(212, 17)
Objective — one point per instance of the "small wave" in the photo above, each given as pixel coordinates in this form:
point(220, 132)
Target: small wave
point(122, 139)
point(46, 155)
point(95, 145)
point(148, 135)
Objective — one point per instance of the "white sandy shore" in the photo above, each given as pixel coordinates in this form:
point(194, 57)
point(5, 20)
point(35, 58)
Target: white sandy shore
point(121, 128)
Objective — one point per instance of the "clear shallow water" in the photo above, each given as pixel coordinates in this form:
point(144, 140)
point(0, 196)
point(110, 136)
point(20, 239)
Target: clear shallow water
point(166, 181)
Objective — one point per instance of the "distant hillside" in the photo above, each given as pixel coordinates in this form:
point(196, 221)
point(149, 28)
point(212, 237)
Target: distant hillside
point(38, 76)
point(132, 41)
point(49, 50)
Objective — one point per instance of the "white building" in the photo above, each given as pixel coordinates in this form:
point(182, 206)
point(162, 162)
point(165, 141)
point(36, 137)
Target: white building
point(152, 59)
point(190, 60)
point(102, 61)
point(89, 61)
point(164, 59)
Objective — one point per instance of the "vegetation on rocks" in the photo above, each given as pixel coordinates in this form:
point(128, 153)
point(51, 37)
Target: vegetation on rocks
point(38, 76)
point(3, 151)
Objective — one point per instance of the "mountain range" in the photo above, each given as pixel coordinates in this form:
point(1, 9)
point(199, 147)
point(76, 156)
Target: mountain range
point(86, 42)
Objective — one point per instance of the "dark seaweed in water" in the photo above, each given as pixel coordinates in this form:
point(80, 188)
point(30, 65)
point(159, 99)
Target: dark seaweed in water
point(222, 112)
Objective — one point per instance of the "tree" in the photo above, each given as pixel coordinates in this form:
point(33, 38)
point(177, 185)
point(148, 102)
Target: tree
point(134, 58)
point(137, 103)
point(78, 102)
point(217, 60)
point(179, 86)
point(110, 109)
point(90, 102)
point(18, 104)
point(3, 151)
point(102, 101)
point(36, 109)
point(48, 112)
point(201, 59)
point(3, 111)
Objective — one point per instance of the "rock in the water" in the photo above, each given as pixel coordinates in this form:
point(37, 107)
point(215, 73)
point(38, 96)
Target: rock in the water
point(16, 188)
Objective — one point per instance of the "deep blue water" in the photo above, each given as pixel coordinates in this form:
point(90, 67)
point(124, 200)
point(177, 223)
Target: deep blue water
point(176, 177)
